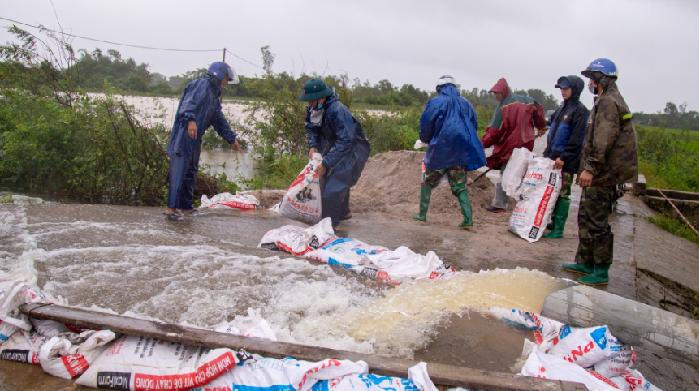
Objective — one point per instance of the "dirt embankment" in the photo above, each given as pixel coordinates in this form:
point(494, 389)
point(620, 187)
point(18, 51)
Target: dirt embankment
point(390, 183)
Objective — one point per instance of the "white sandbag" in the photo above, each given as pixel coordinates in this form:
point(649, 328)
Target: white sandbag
point(516, 317)
point(298, 240)
point(632, 380)
point(14, 293)
point(140, 363)
point(252, 325)
point(303, 200)
point(618, 363)
point(547, 331)
point(583, 346)
point(227, 200)
point(59, 357)
point(268, 374)
point(418, 375)
point(419, 144)
point(514, 172)
point(369, 383)
point(24, 346)
point(546, 366)
point(541, 187)
point(443, 181)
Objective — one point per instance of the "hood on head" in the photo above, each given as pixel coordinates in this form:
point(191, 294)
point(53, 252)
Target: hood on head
point(576, 85)
point(448, 90)
point(501, 86)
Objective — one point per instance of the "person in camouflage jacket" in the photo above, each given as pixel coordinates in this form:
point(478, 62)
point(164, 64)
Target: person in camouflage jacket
point(609, 158)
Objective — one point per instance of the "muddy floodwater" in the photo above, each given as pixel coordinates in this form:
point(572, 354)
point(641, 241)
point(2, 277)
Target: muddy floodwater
point(207, 270)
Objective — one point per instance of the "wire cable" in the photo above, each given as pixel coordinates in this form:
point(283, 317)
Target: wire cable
point(128, 45)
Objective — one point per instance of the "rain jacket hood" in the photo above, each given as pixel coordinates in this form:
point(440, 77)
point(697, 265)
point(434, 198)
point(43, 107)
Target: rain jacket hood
point(501, 86)
point(341, 140)
point(568, 126)
point(448, 125)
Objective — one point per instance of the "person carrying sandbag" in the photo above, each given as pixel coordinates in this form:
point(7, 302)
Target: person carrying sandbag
point(564, 145)
point(512, 126)
point(332, 129)
point(448, 125)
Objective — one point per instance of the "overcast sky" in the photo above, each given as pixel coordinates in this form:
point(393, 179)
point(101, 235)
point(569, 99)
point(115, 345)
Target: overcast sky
point(654, 43)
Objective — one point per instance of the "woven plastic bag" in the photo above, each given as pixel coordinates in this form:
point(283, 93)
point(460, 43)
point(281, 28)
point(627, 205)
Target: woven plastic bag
point(303, 201)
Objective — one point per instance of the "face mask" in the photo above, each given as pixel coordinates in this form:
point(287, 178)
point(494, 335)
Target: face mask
point(317, 115)
point(320, 106)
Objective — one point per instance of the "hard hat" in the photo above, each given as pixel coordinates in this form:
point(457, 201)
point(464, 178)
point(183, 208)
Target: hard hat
point(603, 65)
point(446, 79)
point(221, 70)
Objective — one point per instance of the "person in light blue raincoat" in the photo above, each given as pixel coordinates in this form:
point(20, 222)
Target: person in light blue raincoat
point(199, 108)
point(448, 127)
point(332, 131)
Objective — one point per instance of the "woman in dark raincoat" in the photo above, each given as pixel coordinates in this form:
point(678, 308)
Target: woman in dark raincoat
point(448, 125)
point(336, 134)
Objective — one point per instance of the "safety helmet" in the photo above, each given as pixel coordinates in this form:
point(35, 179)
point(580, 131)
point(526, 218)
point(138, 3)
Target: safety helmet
point(220, 70)
point(446, 79)
point(603, 65)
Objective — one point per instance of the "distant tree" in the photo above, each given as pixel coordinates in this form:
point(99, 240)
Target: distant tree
point(670, 108)
point(546, 100)
point(267, 59)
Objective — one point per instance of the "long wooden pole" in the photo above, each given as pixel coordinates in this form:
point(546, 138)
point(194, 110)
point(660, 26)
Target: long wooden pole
point(440, 374)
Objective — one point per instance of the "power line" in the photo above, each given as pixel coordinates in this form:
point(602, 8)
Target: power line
point(129, 45)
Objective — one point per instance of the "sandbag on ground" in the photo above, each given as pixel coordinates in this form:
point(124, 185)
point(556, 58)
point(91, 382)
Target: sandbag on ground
point(227, 200)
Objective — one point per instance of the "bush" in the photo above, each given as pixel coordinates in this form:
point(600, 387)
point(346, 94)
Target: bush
point(95, 151)
point(667, 160)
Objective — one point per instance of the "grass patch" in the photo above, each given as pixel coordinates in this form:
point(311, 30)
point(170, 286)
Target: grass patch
point(667, 158)
point(675, 227)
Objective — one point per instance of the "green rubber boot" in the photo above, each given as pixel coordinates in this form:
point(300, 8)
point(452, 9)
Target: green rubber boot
point(425, 193)
point(599, 277)
point(560, 216)
point(578, 268)
point(551, 225)
point(466, 210)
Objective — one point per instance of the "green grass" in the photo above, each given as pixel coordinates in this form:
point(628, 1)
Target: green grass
point(675, 227)
point(688, 139)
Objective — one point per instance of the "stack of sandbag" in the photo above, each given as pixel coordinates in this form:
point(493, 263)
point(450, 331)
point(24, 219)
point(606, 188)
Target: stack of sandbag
point(591, 356)
point(227, 200)
point(536, 195)
point(319, 243)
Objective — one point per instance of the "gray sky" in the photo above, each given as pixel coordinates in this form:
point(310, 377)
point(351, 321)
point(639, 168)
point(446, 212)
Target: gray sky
point(530, 43)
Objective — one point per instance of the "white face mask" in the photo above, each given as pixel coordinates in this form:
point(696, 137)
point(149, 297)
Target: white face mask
point(317, 116)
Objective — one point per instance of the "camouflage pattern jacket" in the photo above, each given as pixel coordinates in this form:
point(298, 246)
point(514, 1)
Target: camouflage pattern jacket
point(609, 151)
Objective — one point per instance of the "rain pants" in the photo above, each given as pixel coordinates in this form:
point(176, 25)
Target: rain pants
point(448, 125)
point(345, 149)
point(199, 103)
point(565, 140)
point(512, 125)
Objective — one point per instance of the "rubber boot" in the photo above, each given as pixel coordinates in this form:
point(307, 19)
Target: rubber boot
point(559, 219)
point(466, 210)
point(599, 277)
point(425, 193)
point(578, 268)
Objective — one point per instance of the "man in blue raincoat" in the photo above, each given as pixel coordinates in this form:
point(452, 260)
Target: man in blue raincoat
point(448, 125)
point(335, 133)
point(200, 107)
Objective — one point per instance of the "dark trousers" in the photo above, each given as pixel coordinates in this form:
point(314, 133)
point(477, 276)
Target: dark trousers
point(336, 207)
point(183, 176)
point(596, 240)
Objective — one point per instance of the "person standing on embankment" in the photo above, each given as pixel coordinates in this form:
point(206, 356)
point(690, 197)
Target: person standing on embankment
point(609, 157)
point(448, 125)
point(199, 108)
point(331, 128)
point(565, 142)
point(512, 126)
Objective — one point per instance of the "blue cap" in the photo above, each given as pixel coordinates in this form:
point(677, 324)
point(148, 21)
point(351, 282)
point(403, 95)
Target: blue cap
point(563, 82)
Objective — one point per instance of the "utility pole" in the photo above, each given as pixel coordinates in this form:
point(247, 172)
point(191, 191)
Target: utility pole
point(224, 54)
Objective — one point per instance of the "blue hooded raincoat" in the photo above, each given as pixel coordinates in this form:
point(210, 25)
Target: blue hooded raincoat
point(448, 125)
point(341, 141)
point(199, 103)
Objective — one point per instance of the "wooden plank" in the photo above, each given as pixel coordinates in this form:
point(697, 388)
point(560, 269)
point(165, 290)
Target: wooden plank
point(633, 323)
point(381, 365)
